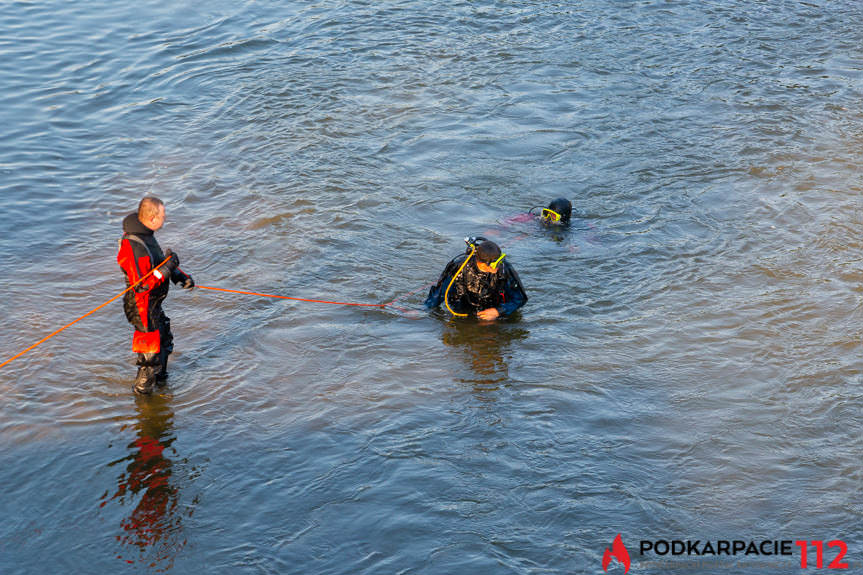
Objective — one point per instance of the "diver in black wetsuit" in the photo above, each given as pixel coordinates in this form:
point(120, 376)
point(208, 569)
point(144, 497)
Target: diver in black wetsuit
point(478, 282)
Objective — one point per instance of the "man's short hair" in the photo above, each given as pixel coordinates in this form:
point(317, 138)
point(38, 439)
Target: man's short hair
point(149, 207)
point(487, 251)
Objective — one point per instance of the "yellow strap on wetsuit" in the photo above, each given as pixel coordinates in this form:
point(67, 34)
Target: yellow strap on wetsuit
point(467, 259)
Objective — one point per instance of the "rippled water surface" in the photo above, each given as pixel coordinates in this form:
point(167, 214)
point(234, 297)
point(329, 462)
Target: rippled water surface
point(688, 365)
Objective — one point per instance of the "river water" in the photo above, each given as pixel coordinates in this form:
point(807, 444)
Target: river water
point(688, 365)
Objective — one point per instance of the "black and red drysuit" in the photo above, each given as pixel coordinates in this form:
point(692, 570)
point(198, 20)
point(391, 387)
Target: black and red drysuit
point(153, 341)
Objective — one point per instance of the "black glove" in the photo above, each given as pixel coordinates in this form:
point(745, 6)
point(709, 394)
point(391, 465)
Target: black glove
point(173, 261)
point(187, 282)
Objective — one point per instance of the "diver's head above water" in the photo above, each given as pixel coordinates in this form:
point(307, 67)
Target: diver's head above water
point(558, 212)
point(488, 256)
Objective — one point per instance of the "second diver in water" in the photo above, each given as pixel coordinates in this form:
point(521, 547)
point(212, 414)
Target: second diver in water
point(558, 213)
point(479, 282)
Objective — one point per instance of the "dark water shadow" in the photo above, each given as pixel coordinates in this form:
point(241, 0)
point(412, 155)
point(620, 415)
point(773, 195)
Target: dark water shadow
point(151, 486)
point(485, 348)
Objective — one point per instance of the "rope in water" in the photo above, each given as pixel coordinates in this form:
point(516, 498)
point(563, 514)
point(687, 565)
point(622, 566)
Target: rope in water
point(294, 298)
point(92, 311)
point(131, 287)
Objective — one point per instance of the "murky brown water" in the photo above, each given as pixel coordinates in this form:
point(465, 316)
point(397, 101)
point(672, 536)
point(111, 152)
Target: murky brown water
point(688, 365)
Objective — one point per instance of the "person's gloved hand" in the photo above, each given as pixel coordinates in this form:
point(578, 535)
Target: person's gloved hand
point(188, 282)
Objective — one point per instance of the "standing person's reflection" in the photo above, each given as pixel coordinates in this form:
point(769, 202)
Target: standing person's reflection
point(154, 526)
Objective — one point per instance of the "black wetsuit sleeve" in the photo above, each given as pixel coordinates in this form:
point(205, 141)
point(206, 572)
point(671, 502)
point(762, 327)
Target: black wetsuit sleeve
point(438, 291)
point(514, 293)
point(178, 276)
point(514, 300)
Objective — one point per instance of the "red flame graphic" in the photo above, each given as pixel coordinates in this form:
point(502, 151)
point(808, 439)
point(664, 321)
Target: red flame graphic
point(619, 552)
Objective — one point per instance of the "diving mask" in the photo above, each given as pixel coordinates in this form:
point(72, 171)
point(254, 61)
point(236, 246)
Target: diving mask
point(550, 216)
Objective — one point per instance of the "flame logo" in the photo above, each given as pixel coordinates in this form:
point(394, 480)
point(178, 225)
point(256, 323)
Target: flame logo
point(619, 552)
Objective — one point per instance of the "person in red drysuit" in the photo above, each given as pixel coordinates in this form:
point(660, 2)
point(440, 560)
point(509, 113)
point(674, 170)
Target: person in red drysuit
point(139, 252)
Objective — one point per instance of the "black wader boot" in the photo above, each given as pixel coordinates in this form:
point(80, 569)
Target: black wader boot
point(148, 369)
point(167, 339)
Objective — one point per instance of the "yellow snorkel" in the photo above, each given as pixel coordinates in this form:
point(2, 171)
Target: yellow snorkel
point(446, 293)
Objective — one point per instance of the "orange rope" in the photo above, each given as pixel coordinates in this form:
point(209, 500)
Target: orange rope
point(52, 334)
point(419, 289)
point(293, 298)
point(94, 310)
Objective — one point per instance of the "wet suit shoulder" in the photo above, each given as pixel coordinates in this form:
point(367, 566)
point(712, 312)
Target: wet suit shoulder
point(138, 253)
point(437, 291)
